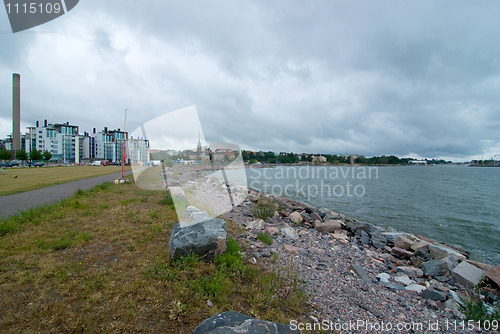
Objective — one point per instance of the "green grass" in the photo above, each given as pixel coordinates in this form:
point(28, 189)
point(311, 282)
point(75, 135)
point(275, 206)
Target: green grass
point(99, 262)
point(15, 180)
point(476, 309)
point(265, 237)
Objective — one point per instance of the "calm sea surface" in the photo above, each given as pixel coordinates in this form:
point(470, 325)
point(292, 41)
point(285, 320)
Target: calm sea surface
point(456, 205)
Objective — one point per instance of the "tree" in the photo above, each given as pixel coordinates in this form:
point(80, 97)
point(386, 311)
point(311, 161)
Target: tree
point(21, 155)
point(5, 155)
point(46, 155)
point(35, 155)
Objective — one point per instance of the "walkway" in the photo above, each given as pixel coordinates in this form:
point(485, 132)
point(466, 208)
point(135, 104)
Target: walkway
point(11, 204)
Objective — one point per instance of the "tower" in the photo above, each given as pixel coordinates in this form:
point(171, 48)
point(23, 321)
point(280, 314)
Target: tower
point(198, 147)
point(16, 112)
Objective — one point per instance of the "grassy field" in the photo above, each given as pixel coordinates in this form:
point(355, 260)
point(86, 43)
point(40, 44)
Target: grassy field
point(15, 180)
point(98, 262)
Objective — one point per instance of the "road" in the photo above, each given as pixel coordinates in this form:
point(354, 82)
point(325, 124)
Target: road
point(12, 204)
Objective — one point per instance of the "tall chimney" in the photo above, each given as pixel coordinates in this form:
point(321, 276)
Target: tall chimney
point(37, 124)
point(45, 123)
point(16, 111)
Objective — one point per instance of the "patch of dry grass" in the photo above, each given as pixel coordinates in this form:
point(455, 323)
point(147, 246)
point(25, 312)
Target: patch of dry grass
point(99, 262)
point(15, 180)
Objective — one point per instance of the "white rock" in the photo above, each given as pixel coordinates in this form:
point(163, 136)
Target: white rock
point(403, 279)
point(255, 225)
point(415, 287)
point(383, 277)
point(289, 232)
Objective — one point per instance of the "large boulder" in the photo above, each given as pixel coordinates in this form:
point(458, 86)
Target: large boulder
point(467, 274)
point(440, 252)
point(493, 274)
point(328, 226)
point(378, 240)
point(233, 322)
point(434, 268)
point(206, 239)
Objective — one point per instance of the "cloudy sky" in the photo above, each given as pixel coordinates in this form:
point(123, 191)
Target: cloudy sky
point(409, 78)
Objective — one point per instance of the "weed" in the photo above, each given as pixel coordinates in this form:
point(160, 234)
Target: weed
point(154, 214)
point(265, 237)
point(478, 310)
point(128, 200)
point(231, 261)
point(7, 226)
point(275, 257)
point(187, 261)
point(177, 310)
point(79, 192)
point(264, 208)
point(167, 199)
point(84, 236)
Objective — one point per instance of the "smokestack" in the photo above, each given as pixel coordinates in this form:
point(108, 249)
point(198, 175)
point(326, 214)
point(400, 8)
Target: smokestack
point(45, 123)
point(105, 129)
point(37, 124)
point(94, 130)
point(16, 112)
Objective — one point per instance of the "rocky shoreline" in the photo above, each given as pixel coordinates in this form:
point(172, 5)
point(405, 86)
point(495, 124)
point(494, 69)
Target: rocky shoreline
point(359, 273)
point(359, 277)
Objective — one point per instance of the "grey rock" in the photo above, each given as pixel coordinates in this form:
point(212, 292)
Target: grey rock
point(423, 254)
point(206, 239)
point(434, 268)
point(411, 271)
point(451, 305)
point(392, 286)
point(393, 236)
point(307, 217)
point(456, 298)
point(289, 232)
point(233, 322)
point(467, 274)
point(362, 237)
point(440, 252)
point(451, 262)
point(434, 295)
point(378, 240)
point(361, 273)
point(416, 288)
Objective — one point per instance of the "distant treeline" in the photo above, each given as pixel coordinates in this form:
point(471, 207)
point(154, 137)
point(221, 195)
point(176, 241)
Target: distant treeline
point(292, 158)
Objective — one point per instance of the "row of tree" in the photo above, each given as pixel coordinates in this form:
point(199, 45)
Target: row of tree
point(34, 155)
point(290, 158)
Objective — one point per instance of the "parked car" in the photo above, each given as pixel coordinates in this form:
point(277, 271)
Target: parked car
point(13, 163)
point(96, 163)
point(35, 164)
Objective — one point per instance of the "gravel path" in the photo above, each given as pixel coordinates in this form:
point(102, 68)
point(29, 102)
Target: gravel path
point(11, 204)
